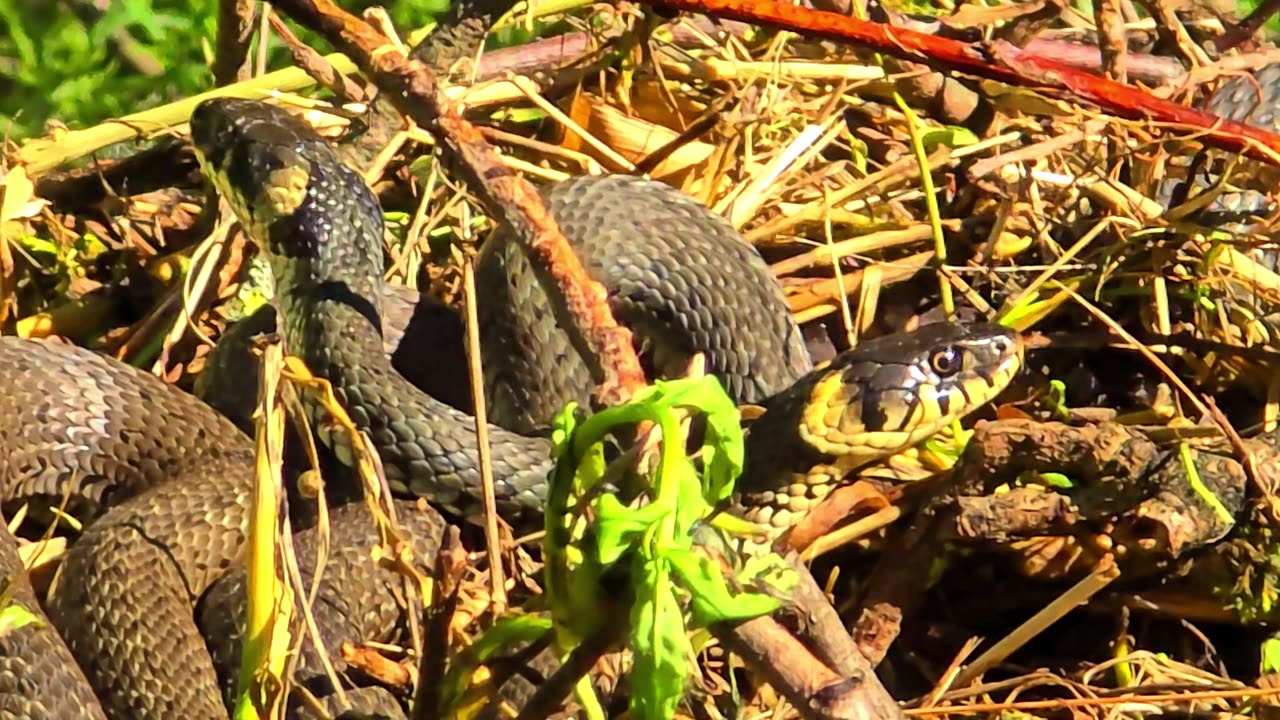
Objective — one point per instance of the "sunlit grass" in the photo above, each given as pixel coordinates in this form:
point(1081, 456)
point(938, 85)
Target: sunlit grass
point(79, 62)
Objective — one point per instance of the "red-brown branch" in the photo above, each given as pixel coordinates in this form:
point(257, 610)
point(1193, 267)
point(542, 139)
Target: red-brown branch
point(997, 60)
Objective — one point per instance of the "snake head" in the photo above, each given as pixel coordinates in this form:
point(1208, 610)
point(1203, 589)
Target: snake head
point(941, 372)
point(893, 392)
point(259, 157)
point(313, 216)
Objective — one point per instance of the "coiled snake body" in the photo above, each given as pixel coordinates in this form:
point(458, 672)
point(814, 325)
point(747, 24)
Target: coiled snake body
point(177, 475)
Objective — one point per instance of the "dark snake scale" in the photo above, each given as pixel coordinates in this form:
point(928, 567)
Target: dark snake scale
point(166, 479)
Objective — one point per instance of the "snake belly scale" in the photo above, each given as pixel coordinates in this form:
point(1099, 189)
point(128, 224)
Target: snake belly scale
point(177, 475)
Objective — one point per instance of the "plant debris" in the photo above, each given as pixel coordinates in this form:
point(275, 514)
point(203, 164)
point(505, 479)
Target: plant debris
point(1122, 498)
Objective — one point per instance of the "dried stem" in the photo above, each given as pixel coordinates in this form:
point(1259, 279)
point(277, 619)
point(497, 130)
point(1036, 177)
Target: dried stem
point(235, 34)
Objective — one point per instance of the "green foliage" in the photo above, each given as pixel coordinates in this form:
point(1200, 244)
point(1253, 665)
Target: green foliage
point(927, 8)
point(507, 632)
point(64, 262)
point(1056, 399)
point(81, 61)
point(13, 614)
point(673, 585)
point(1057, 481)
point(65, 60)
point(1272, 26)
point(660, 578)
point(949, 135)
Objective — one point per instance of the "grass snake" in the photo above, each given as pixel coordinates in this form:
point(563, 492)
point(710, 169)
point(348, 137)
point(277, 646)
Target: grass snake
point(176, 475)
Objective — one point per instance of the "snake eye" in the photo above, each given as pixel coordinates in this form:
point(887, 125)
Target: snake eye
point(945, 362)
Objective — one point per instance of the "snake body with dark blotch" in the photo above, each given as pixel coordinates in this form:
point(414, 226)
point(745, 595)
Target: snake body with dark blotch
point(178, 476)
point(80, 424)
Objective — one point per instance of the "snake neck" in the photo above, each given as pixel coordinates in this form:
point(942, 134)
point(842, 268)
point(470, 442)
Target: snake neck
point(428, 449)
point(326, 257)
point(330, 246)
point(302, 300)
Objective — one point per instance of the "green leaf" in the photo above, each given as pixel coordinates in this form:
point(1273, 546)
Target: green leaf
point(506, 632)
point(1270, 656)
point(1057, 399)
point(22, 42)
point(564, 587)
point(39, 245)
point(691, 503)
point(769, 570)
point(724, 449)
point(618, 528)
point(918, 7)
point(710, 600)
point(1057, 480)
point(949, 136)
point(90, 245)
point(662, 649)
point(1029, 306)
point(1047, 479)
point(659, 536)
point(16, 617)
point(562, 429)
